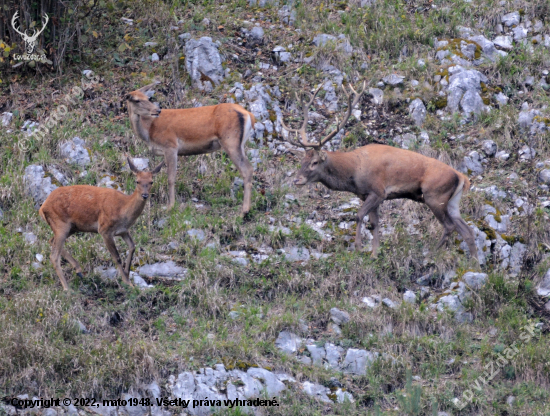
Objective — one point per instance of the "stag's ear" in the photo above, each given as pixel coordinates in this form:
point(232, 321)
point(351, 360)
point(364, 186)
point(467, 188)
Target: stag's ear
point(322, 155)
point(132, 166)
point(297, 153)
point(158, 168)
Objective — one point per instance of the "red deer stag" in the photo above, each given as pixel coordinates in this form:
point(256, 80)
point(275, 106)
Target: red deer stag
point(90, 209)
point(193, 131)
point(378, 172)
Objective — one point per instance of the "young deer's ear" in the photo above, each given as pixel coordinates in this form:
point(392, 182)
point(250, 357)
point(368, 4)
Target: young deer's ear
point(322, 155)
point(131, 164)
point(158, 168)
point(130, 97)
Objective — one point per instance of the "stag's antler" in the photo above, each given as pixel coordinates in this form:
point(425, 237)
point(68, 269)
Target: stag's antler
point(353, 99)
point(305, 110)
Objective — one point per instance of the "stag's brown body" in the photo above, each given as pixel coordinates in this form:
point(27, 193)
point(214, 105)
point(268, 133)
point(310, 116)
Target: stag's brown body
point(84, 208)
point(378, 172)
point(193, 131)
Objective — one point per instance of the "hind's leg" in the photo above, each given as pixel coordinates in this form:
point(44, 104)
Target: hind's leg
point(61, 233)
point(239, 158)
point(72, 260)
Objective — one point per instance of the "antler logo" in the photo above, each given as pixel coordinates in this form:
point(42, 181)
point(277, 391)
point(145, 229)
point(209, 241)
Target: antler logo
point(30, 41)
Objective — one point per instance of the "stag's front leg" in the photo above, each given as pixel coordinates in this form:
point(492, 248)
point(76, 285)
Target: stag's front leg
point(171, 160)
point(370, 207)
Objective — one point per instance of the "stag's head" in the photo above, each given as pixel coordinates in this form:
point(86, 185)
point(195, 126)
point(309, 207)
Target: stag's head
point(144, 179)
point(313, 165)
point(139, 102)
point(30, 41)
point(315, 159)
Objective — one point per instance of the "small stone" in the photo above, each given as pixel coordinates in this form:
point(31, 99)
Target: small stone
point(257, 33)
point(6, 118)
point(510, 400)
point(389, 303)
point(234, 315)
point(409, 296)
point(544, 288)
point(241, 261)
point(475, 280)
point(377, 95)
point(503, 42)
point(357, 361)
point(544, 176)
point(82, 328)
point(150, 44)
point(196, 234)
point(501, 98)
point(418, 111)
point(489, 147)
point(370, 302)
point(394, 79)
point(288, 342)
point(74, 151)
point(339, 317)
point(155, 57)
point(511, 19)
point(502, 155)
point(30, 238)
point(166, 269)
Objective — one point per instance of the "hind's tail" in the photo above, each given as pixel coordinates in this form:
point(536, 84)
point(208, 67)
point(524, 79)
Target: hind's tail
point(466, 183)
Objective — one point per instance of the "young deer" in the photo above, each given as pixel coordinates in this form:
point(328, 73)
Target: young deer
point(193, 131)
point(90, 209)
point(378, 172)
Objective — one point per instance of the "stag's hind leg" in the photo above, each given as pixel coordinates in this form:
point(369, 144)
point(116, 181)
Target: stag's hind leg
point(439, 208)
point(465, 231)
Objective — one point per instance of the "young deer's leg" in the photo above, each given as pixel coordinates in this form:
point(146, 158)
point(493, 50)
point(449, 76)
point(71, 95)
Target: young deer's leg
point(72, 260)
point(131, 248)
point(171, 159)
point(110, 243)
point(238, 157)
point(369, 206)
point(60, 235)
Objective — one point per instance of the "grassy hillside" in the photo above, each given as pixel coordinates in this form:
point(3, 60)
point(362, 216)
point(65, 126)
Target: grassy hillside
point(137, 336)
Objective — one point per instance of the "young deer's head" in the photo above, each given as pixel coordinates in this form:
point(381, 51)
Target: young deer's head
point(144, 179)
point(315, 159)
point(139, 103)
